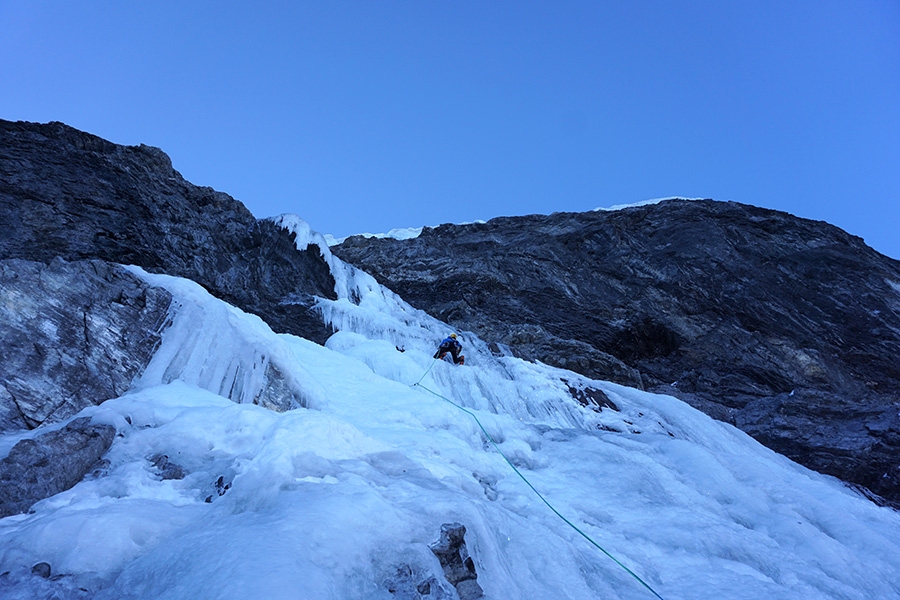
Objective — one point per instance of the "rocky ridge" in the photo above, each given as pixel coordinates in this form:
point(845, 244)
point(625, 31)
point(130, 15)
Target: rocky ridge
point(786, 327)
point(72, 195)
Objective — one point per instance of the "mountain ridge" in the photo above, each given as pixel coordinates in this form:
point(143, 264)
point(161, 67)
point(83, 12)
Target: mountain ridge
point(69, 194)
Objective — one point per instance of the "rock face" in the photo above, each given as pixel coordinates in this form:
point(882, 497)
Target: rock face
point(785, 327)
point(69, 194)
point(459, 568)
point(74, 334)
point(50, 463)
point(418, 582)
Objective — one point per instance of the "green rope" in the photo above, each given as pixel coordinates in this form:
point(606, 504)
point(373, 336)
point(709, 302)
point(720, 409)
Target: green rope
point(425, 373)
point(539, 495)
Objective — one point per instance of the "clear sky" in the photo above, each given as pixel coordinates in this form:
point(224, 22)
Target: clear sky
point(366, 116)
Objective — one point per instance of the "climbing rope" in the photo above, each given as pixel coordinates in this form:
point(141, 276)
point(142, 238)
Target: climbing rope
point(528, 483)
point(425, 373)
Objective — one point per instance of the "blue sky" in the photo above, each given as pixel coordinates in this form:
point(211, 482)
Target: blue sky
point(366, 116)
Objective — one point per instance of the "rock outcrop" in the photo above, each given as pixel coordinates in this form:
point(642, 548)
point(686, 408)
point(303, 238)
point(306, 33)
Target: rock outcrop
point(68, 194)
point(74, 334)
point(407, 583)
point(459, 568)
point(50, 463)
point(458, 580)
point(785, 327)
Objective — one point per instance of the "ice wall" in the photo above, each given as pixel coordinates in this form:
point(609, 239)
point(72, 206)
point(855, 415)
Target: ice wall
point(491, 383)
point(221, 349)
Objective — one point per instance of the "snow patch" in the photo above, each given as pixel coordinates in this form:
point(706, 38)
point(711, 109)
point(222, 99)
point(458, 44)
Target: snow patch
point(406, 233)
point(642, 203)
point(894, 284)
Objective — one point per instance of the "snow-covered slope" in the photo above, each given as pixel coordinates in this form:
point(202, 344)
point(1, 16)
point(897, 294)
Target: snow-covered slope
point(341, 495)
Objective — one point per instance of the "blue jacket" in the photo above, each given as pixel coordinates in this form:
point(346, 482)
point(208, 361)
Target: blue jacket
point(449, 345)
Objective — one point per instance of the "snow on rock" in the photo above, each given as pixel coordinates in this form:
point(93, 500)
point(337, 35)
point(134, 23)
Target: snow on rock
point(894, 284)
point(347, 278)
point(406, 233)
point(345, 495)
point(643, 203)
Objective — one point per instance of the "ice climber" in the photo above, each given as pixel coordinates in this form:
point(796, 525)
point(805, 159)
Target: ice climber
point(451, 345)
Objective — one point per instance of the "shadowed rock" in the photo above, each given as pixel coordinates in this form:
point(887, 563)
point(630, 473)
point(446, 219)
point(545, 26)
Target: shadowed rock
point(50, 463)
point(409, 584)
point(66, 193)
point(41, 569)
point(459, 568)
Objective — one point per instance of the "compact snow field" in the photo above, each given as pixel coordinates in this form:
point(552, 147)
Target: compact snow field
point(331, 499)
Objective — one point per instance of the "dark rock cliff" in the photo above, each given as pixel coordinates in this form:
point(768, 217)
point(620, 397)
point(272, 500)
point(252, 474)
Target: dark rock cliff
point(785, 327)
point(68, 194)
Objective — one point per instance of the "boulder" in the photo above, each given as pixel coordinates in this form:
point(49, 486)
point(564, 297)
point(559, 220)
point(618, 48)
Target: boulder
point(459, 568)
point(50, 463)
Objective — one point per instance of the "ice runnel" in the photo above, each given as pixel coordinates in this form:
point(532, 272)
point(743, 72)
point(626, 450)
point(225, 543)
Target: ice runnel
point(210, 345)
point(488, 383)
